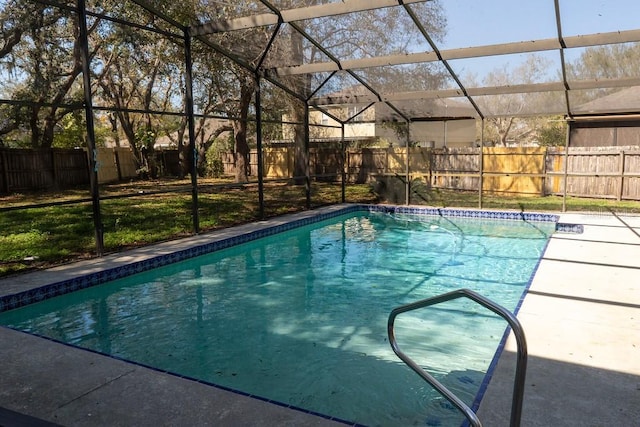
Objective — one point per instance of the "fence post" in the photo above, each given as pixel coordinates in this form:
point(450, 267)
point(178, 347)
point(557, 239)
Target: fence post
point(431, 166)
point(621, 171)
point(116, 157)
point(545, 178)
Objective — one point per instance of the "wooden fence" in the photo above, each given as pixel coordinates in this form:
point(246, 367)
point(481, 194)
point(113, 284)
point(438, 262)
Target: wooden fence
point(57, 169)
point(116, 164)
point(26, 169)
point(278, 163)
point(599, 172)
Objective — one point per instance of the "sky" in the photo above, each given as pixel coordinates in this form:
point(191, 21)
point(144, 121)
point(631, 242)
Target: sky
point(473, 23)
point(499, 21)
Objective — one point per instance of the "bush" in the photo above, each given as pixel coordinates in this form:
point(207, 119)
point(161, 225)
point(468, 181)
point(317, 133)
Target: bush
point(214, 167)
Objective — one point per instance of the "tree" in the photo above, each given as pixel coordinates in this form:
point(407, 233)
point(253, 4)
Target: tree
point(554, 133)
point(48, 71)
point(223, 87)
point(138, 72)
point(504, 123)
point(381, 30)
point(602, 63)
point(71, 130)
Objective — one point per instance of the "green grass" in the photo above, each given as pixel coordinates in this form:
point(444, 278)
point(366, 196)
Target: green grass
point(44, 236)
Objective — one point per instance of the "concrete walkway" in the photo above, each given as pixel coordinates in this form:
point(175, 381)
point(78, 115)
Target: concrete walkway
point(581, 317)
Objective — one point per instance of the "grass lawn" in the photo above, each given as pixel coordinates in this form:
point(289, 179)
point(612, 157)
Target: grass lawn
point(154, 211)
point(41, 236)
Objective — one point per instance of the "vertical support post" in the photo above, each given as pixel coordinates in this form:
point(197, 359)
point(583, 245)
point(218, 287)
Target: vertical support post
point(566, 167)
point(193, 152)
point(406, 166)
point(307, 157)
point(545, 177)
point(91, 136)
point(342, 164)
point(432, 165)
point(481, 167)
point(445, 133)
point(621, 172)
point(259, 148)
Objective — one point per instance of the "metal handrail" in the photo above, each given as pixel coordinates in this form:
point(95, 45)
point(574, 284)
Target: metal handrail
point(521, 363)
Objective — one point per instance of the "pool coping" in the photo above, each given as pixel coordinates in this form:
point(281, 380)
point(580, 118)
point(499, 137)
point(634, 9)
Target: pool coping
point(72, 277)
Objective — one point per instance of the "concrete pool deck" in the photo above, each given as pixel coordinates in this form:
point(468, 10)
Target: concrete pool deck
point(581, 317)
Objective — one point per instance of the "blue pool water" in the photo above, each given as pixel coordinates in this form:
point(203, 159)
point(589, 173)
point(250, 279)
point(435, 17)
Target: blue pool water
point(300, 317)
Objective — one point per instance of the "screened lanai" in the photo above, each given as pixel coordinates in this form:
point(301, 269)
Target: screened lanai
point(303, 73)
point(487, 56)
point(410, 60)
point(437, 50)
point(284, 63)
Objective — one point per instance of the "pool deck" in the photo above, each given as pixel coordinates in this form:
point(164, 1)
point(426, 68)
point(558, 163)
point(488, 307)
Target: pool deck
point(581, 317)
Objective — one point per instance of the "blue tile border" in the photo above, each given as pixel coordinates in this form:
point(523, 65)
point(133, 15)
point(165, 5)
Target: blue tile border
point(466, 213)
point(503, 341)
point(10, 302)
point(569, 228)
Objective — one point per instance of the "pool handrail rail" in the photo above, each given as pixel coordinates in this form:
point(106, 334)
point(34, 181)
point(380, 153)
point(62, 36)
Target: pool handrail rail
point(516, 327)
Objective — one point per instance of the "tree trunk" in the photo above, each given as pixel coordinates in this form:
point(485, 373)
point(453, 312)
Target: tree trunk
point(241, 148)
point(113, 120)
point(48, 131)
point(301, 151)
point(298, 114)
point(128, 128)
point(241, 151)
point(34, 124)
point(183, 154)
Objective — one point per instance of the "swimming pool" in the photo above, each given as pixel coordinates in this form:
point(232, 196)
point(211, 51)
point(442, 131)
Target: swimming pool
point(324, 289)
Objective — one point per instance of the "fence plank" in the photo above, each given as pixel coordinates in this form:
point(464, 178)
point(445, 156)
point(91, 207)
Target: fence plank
point(71, 167)
point(126, 162)
point(517, 170)
point(106, 165)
